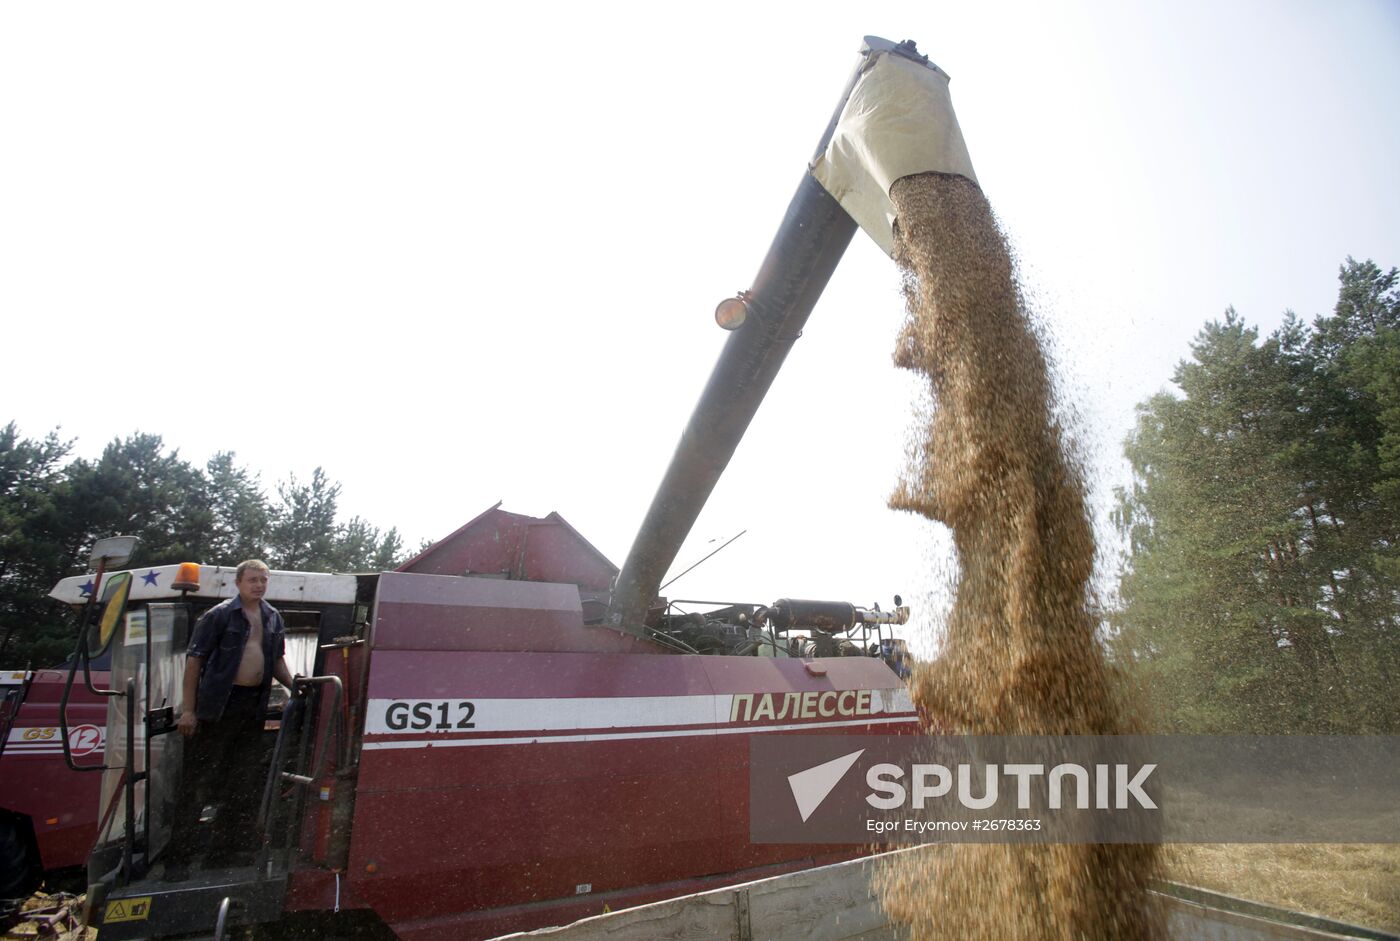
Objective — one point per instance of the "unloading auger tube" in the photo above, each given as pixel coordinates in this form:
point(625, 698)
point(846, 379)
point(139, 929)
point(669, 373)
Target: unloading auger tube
point(894, 119)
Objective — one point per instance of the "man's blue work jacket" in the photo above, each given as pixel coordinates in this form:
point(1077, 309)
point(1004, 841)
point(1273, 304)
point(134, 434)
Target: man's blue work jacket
point(218, 640)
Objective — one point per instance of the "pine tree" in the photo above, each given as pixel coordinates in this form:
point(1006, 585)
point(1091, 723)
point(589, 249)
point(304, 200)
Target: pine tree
point(241, 516)
point(32, 553)
point(1259, 594)
point(51, 513)
point(304, 531)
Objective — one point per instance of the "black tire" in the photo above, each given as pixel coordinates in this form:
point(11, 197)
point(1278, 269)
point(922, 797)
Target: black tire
point(20, 869)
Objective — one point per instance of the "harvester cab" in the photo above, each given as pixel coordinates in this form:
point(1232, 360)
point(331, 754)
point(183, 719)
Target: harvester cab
point(140, 621)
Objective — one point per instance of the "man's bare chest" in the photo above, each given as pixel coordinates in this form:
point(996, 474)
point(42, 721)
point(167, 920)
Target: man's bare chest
point(251, 663)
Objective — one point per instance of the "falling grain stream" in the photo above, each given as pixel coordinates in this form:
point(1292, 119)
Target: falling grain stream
point(1019, 656)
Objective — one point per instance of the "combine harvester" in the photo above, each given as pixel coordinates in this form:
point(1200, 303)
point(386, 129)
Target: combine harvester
point(510, 733)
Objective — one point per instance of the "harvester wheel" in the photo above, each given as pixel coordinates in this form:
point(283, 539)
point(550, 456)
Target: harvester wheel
point(20, 868)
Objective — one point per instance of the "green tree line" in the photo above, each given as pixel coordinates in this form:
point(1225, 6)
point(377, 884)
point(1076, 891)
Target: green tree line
point(1261, 587)
point(53, 506)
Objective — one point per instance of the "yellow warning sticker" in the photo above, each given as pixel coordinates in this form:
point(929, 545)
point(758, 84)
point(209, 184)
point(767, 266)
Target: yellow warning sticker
point(137, 909)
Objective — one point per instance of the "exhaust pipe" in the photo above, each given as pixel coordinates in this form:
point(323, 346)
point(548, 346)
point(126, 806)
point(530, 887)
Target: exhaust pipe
point(894, 119)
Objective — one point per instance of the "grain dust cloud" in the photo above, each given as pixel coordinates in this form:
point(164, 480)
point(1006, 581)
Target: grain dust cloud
point(1019, 655)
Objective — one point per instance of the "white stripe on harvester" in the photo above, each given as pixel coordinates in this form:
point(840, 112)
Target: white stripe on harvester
point(571, 714)
point(27, 749)
point(621, 736)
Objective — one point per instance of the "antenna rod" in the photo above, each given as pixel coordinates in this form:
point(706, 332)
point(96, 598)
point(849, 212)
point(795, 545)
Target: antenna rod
point(697, 564)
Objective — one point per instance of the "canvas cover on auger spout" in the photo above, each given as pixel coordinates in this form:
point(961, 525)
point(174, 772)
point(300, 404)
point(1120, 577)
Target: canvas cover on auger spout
point(897, 122)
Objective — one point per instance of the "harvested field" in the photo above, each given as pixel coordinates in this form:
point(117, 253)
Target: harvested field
point(1358, 883)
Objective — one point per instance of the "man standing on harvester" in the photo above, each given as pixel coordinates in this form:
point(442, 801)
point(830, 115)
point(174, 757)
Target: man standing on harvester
point(235, 652)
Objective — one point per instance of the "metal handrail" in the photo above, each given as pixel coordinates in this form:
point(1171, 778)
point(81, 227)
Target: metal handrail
point(131, 776)
point(291, 713)
point(80, 658)
point(322, 745)
point(221, 921)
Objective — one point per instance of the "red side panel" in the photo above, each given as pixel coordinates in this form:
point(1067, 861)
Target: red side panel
point(419, 612)
point(514, 762)
point(34, 779)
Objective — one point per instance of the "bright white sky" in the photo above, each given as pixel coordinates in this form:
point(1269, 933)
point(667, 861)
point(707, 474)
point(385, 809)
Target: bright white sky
point(459, 253)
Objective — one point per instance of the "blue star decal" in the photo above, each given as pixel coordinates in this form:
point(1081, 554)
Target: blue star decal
point(86, 587)
point(150, 577)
